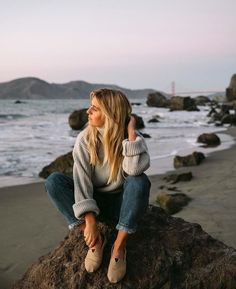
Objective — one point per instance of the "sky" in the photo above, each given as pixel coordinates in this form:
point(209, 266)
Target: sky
point(132, 43)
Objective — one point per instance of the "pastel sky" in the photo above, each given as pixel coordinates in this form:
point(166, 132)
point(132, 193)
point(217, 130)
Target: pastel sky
point(131, 43)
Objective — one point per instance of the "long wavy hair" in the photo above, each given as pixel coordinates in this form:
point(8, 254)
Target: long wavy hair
point(117, 110)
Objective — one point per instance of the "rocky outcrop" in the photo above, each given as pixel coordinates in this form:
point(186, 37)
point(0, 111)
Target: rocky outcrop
point(193, 159)
point(139, 121)
point(78, 119)
point(172, 203)
point(165, 253)
point(63, 164)
point(183, 103)
point(229, 119)
point(231, 90)
point(202, 100)
point(157, 99)
point(209, 139)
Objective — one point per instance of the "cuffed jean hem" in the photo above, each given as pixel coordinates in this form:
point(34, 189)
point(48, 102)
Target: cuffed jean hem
point(125, 228)
point(72, 225)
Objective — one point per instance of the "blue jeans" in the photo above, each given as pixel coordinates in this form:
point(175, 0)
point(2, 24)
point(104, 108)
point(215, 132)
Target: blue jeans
point(126, 208)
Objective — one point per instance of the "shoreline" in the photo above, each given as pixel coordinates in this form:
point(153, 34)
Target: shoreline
point(32, 226)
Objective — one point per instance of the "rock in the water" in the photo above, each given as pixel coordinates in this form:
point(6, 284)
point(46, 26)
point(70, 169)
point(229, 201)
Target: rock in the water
point(172, 203)
point(157, 99)
point(209, 139)
point(231, 90)
point(175, 178)
point(153, 120)
point(202, 100)
point(139, 121)
point(183, 103)
point(78, 119)
point(63, 164)
point(165, 253)
point(190, 160)
point(229, 119)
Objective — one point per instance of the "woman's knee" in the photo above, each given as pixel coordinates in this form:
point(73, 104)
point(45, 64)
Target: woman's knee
point(140, 182)
point(139, 186)
point(53, 181)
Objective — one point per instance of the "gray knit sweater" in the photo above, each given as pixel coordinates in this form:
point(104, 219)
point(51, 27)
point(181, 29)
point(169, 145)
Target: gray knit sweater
point(88, 178)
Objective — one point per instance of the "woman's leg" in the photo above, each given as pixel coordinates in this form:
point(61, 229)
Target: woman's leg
point(133, 206)
point(60, 189)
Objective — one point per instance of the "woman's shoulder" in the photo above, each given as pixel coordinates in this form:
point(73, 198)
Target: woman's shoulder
point(81, 138)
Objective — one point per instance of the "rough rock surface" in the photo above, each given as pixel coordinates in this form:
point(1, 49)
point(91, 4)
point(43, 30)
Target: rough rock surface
point(175, 178)
point(209, 139)
point(183, 103)
point(78, 118)
point(172, 203)
point(231, 90)
point(190, 160)
point(165, 253)
point(63, 164)
point(157, 99)
point(202, 100)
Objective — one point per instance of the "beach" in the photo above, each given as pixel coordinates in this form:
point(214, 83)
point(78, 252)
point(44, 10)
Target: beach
point(31, 227)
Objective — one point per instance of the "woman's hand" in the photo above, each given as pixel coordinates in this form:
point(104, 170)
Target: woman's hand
point(131, 129)
point(91, 232)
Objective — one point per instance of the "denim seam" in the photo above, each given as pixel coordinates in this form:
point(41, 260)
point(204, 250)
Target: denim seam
point(121, 226)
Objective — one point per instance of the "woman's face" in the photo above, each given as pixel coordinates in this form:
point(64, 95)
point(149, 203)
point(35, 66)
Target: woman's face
point(95, 116)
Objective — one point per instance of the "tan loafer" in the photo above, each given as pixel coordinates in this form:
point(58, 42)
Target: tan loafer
point(93, 258)
point(116, 269)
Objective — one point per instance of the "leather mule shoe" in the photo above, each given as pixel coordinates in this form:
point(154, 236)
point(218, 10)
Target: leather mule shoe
point(94, 257)
point(116, 269)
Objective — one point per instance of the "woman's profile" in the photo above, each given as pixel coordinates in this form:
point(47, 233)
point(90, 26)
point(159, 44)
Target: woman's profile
point(110, 158)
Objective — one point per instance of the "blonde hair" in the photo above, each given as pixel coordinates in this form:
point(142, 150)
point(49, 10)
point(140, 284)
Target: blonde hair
point(117, 110)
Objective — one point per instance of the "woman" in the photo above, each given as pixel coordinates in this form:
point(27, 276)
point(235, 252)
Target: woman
point(108, 179)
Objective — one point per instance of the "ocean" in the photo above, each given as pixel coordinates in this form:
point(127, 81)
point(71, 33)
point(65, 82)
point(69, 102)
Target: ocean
point(35, 132)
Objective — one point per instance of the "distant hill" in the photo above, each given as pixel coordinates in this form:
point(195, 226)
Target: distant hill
point(35, 88)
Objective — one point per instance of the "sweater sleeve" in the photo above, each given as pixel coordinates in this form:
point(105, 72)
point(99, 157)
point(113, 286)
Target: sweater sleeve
point(136, 158)
point(82, 175)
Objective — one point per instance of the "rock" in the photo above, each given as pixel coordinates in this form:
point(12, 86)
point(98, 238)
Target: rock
point(231, 90)
point(210, 139)
point(19, 101)
point(172, 203)
point(202, 100)
point(212, 111)
point(63, 164)
point(78, 119)
point(164, 253)
point(139, 121)
point(229, 119)
point(183, 103)
point(136, 103)
point(153, 120)
point(157, 99)
point(190, 160)
point(175, 178)
point(145, 135)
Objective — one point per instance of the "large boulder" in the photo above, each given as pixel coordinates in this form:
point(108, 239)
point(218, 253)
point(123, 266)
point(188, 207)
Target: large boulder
point(231, 90)
point(164, 253)
point(157, 99)
point(183, 103)
point(209, 139)
point(78, 119)
point(202, 100)
point(193, 159)
point(229, 119)
point(63, 164)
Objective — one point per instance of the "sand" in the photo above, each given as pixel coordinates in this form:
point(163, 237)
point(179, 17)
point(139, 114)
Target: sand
point(31, 227)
